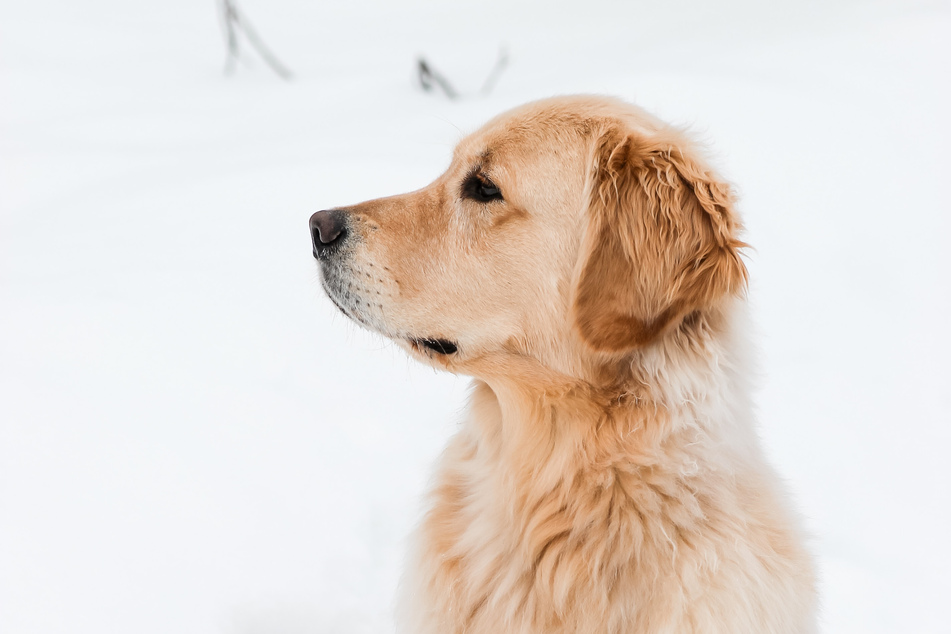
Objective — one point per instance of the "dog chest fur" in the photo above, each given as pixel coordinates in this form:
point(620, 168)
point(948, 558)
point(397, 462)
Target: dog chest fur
point(558, 510)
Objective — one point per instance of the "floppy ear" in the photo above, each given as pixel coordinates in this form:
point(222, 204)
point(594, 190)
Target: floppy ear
point(660, 244)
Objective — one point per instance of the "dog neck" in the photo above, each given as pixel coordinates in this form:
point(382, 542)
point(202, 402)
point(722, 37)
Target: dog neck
point(687, 387)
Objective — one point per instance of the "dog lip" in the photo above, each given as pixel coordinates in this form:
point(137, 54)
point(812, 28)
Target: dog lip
point(439, 346)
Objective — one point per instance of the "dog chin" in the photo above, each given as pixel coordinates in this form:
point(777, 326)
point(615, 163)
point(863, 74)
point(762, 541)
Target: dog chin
point(339, 300)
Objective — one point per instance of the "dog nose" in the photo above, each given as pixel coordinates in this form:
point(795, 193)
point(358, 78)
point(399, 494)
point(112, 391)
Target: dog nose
point(328, 229)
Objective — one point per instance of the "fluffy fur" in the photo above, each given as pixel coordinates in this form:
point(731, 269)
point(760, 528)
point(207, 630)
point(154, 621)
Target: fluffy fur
point(607, 477)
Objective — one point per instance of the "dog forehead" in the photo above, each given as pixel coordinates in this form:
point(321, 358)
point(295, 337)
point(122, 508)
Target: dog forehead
point(529, 128)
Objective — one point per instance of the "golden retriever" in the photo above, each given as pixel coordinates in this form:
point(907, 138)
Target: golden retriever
point(581, 261)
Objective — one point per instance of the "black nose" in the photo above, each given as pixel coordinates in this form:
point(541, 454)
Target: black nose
point(328, 230)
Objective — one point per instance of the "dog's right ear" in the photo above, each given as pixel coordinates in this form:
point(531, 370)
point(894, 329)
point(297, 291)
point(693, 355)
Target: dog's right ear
point(660, 241)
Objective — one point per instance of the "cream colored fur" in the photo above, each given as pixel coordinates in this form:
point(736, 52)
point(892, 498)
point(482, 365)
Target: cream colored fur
point(607, 477)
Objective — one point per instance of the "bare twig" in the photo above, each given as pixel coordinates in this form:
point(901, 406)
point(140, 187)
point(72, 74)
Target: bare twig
point(430, 78)
point(500, 65)
point(230, 35)
point(234, 21)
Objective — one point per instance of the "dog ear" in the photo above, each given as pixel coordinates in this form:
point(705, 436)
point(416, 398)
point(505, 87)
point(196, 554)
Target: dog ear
point(660, 242)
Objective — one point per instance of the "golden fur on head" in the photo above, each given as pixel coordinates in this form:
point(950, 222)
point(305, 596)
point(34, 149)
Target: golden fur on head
point(582, 262)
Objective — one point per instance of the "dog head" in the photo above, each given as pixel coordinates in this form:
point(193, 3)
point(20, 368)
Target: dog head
point(568, 231)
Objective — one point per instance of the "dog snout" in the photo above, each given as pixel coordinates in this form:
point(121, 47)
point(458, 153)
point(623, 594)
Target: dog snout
point(328, 230)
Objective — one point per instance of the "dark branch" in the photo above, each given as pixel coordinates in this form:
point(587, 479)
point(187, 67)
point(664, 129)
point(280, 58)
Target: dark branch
point(429, 77)
point(500, 64)
point(235, 21)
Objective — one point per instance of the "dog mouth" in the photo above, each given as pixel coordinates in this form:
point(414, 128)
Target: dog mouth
point(344, 301)
point(341, 294)
point(439, 346)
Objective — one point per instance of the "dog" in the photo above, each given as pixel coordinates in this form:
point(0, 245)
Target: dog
point(582, 262)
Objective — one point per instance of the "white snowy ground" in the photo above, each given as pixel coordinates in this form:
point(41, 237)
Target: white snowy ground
point(193, 441)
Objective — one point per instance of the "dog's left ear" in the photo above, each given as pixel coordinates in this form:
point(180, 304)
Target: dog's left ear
point(661, 242)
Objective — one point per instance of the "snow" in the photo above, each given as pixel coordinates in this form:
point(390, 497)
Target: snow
point(192, 440)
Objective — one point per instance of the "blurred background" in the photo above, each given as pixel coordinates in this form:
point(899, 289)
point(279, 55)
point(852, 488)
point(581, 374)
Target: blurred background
point(193, 441)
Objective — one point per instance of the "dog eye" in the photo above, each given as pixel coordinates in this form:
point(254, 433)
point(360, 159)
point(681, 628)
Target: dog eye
point(479, 188)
